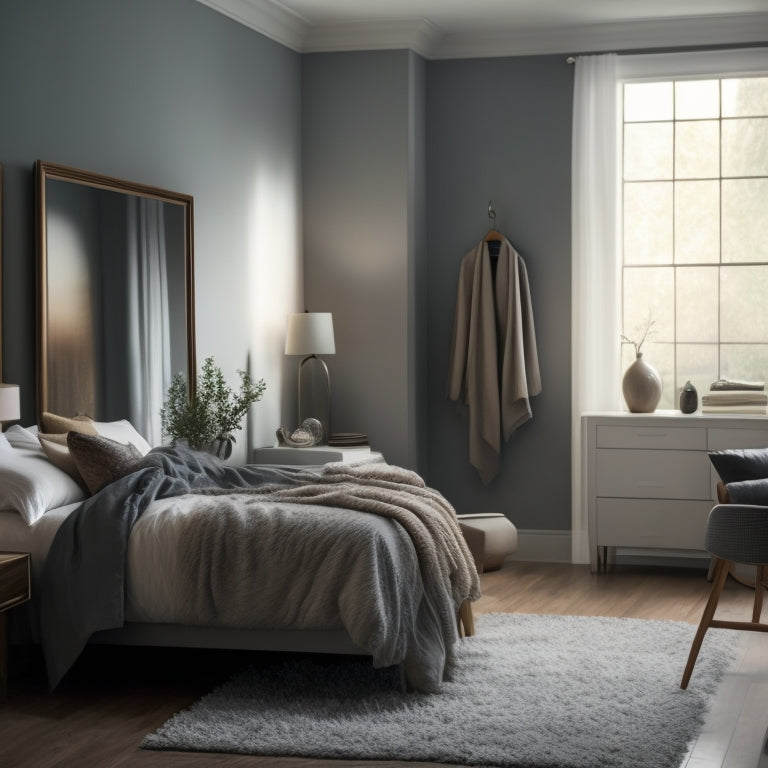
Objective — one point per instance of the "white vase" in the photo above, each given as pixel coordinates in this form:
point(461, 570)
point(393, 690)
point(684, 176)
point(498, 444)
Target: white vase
point(641, 386)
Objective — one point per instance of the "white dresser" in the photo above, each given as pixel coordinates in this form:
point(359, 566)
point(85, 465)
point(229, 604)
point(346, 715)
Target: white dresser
point(649, 481)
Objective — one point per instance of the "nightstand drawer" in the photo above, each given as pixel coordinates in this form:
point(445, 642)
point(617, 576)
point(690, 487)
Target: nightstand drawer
point(656, 438)
point(653, 474)
point(14, 580)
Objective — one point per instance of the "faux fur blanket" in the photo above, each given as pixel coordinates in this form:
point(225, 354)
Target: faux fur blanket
point(446, 564)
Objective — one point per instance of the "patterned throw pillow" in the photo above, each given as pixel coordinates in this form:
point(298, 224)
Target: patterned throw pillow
point(100, 460)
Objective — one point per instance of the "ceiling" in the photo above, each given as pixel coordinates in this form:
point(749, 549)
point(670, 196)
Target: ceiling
point(463, 28)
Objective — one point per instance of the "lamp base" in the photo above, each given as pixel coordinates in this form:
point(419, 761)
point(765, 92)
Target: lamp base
point(315, 393)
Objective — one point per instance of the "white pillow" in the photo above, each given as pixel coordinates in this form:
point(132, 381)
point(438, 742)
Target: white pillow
point(31, 485)
point(123, 432)
point(23, 437)
point(4, 444)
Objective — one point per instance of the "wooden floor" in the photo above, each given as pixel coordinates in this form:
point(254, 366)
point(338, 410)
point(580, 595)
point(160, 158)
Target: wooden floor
point(114, 697)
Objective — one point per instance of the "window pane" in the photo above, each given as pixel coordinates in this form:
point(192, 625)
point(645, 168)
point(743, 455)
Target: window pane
point(743, 305)
point(697, 363)
point(648, 223)
point(697, 150)
point(744, 361)
point(745, 147)
point(696, 291)
point(697, 222)
point(662, 358)
point(745, 96)
point(745, 220)
point(649, 293)
point(647, 101)
point(648, 151)
point(696, 249)
point(697, 99)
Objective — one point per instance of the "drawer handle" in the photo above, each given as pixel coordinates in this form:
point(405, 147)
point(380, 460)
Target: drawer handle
point(652, 434)
point(650, 484)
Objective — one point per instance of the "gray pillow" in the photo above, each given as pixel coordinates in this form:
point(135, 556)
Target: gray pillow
point(100, 460)
point(748, 492)
point(740, 464)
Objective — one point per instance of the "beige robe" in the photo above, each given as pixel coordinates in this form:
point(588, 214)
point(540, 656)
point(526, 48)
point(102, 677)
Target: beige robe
point(494, 364)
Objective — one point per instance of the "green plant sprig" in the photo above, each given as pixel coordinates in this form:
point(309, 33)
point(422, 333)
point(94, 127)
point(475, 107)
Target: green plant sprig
point(215, 412)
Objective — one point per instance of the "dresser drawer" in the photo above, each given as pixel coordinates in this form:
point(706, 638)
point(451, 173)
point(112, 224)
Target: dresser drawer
point(651, 523)
point(647, 474)
point(721, 439)
point(14, 580)
point(657, 438)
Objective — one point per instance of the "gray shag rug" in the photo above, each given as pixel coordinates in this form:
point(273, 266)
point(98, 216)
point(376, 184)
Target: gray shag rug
point(527, 690)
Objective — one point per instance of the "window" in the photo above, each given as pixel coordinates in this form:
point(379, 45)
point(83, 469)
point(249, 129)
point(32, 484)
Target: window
point(695, 228)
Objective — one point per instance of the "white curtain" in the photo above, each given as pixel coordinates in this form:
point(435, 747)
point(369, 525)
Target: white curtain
point(149, 351)
point(595, 273)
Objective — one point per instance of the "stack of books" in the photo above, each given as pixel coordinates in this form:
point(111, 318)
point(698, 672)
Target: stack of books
point(347, 439)
point(726, 396)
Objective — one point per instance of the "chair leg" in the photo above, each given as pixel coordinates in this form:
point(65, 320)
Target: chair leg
point(718, 581)
point(758, 608)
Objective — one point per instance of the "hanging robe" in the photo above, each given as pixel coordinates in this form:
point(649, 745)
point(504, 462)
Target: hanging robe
point(493, 365)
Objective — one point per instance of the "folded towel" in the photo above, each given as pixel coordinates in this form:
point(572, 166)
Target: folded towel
point(729, 384)
point(735, 397)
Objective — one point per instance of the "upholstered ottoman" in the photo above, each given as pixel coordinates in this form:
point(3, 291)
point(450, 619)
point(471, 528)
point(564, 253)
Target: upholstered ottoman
point(490, 538)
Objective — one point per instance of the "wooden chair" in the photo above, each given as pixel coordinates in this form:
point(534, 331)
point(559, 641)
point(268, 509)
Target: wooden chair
point(736, 533)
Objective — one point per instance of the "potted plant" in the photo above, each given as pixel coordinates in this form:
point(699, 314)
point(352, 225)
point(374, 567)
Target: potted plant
point(207, 421)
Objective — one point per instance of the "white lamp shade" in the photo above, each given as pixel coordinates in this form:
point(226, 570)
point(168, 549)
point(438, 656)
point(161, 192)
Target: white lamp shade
point(310, 333)
point(10, 402)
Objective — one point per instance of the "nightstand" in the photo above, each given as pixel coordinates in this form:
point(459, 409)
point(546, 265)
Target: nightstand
point(14, 590)
point(314, 454)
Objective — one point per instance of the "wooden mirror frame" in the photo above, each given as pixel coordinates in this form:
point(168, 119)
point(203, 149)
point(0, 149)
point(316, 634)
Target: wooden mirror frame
point(46, 171)
point(1, 272)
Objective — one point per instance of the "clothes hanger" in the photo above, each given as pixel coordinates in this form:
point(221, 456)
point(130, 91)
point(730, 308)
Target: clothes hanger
point(493, 233)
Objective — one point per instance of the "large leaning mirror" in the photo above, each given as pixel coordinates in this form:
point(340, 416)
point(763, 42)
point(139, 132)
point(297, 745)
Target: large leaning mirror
point(115, 296)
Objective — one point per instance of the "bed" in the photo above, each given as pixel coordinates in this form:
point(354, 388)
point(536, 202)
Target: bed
point(173, 547)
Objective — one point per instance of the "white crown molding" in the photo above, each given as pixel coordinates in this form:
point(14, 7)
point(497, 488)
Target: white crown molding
point(272, 19)
point(277, 22)
point(420, 36)
point(637, 35)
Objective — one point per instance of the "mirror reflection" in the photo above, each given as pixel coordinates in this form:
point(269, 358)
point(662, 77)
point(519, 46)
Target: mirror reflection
point(115, 296)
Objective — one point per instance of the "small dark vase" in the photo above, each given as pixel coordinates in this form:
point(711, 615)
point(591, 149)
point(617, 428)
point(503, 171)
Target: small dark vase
point(689, 398)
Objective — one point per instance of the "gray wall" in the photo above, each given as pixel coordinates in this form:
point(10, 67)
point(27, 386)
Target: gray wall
point(400, 158)
point(363, 164)
point(178, 96)
point(500, 129)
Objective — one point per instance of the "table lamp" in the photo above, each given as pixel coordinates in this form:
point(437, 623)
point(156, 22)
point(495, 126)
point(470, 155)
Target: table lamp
point(311, 334)
point(10, 402)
